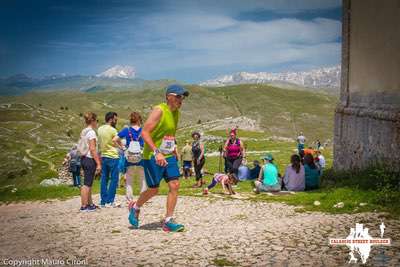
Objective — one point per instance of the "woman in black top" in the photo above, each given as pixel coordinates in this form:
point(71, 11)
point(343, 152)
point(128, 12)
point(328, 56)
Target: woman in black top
point(198, 158)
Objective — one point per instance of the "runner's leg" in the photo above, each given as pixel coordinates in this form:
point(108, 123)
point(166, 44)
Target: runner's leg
point(172, 197)
point(146, 195)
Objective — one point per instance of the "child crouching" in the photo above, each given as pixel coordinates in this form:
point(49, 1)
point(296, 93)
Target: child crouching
point(226, 180)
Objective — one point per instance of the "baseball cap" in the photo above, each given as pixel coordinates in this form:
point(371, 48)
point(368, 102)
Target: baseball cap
point(176, 89)
point(268, 157)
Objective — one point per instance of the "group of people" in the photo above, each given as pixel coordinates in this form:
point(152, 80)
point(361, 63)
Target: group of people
point(151, 153)
point(303, 172)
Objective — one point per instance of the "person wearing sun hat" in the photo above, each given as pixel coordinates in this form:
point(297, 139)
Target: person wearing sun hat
point(268, 180)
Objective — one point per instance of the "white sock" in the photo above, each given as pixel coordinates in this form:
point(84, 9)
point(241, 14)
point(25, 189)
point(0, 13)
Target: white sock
point(167, 219)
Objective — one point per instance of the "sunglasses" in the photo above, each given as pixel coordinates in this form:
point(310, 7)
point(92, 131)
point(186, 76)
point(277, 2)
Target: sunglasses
point(178, 96)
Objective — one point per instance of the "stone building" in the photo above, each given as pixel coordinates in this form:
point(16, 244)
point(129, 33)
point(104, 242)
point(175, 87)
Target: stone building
point(367, 117)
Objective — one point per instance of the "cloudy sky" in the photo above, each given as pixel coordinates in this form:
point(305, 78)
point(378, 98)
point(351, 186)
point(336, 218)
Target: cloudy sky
point(186, 40)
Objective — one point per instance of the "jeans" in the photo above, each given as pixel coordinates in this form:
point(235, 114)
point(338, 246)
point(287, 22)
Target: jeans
point(109, 180)
point(76, 176)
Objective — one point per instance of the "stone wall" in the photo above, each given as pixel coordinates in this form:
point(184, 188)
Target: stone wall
point(367, 119)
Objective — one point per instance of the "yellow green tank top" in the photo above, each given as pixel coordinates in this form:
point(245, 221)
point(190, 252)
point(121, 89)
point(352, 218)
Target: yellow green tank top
point(165, 127)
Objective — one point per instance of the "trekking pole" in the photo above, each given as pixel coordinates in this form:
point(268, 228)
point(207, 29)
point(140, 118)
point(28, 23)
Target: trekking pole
point(220, 159)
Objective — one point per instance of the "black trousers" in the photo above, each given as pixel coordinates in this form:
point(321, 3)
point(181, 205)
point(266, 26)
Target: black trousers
point(233, 164)
point(198, 166)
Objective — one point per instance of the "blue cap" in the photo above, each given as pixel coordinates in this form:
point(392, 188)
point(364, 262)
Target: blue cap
point(177, 90)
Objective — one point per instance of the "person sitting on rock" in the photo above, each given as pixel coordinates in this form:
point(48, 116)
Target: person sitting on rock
point(226, 180)
point(268, 179)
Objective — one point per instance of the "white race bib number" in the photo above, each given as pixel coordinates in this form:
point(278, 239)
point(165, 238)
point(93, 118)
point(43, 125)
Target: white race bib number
point(167, 145)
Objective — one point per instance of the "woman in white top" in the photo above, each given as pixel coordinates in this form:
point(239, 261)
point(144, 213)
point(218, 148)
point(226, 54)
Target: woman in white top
point(90, 161)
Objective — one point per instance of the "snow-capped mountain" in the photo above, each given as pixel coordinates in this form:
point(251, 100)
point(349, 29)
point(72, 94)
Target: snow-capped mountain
point(118, 71)
point(327, 77)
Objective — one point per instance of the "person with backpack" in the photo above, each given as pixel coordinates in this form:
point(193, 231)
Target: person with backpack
point(132, 153)
point(109, 158)
point(234, 152)
point(73, 160)
point(90, 160)
point(159, 157)
point(198, 158)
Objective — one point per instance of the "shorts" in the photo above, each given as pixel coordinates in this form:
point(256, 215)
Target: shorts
point(154, 173)
point(187, 164)
point(89, 170)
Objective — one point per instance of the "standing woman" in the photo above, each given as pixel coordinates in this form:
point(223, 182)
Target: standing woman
point(198, 158)
point(130, 134)
point(90, 160)
point(234, 152)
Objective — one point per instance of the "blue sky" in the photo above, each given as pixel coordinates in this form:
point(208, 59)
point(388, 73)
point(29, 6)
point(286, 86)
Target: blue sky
point(187, 40)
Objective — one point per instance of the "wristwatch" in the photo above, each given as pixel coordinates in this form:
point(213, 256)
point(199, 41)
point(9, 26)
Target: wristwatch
point(156, 151)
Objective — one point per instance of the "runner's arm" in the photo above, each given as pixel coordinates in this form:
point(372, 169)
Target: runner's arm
point(177, 152)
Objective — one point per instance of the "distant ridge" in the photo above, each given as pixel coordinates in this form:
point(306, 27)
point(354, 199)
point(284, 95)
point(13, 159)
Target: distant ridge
point(327, 77)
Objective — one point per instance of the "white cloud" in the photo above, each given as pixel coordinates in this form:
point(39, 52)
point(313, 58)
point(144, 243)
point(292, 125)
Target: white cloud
point(207, 40)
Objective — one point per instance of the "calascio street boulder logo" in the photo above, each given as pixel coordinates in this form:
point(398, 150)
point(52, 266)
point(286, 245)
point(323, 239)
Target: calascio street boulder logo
point(360, 242)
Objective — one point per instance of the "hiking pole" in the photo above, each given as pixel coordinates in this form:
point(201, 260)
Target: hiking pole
point(220, 159)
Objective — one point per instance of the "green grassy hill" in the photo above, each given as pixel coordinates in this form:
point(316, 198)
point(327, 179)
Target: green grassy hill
point(37, 129)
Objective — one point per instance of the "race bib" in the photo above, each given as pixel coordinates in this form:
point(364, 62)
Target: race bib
point(167, 145)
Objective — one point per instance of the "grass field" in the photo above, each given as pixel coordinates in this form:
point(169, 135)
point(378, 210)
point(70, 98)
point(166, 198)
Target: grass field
point(37, 130)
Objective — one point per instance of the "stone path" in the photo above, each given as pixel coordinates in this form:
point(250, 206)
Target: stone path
point(240, 232)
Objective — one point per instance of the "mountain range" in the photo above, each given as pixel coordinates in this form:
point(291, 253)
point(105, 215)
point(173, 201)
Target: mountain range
point(117, 77)
point(327, 77)
point(124, 77)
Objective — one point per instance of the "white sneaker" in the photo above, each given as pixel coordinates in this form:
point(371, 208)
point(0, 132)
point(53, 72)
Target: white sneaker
point(108, 205)
point(116, 204)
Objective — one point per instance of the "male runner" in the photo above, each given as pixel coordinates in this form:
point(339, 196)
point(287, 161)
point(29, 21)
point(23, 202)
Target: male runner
point(159, 156)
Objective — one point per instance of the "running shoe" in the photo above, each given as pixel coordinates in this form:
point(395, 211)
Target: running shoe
point(133, 216)
point(83, 209)
point(91, 207)
point(172, 226)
